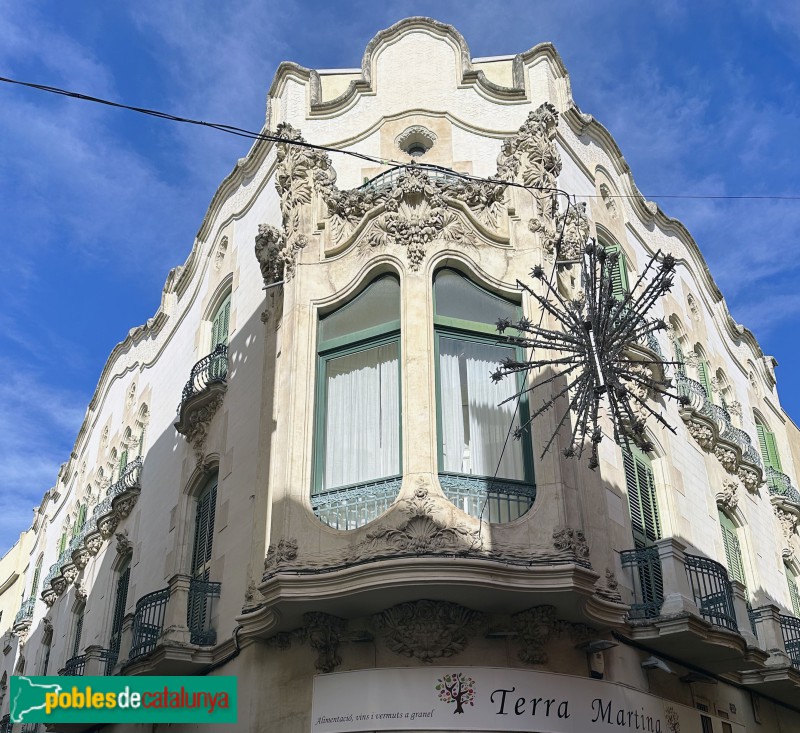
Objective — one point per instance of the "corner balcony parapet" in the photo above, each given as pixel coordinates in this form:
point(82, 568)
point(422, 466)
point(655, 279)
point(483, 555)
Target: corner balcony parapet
point(23, 618)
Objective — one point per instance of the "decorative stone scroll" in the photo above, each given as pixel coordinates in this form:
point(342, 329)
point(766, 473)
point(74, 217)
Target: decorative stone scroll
point(727, 497)
point(199, 423)
point(572, 540)
point(427, 630)
point(788, 523)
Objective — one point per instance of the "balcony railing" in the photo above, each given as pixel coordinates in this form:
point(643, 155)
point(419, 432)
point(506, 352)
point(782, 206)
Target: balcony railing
point(75, 666)
point(211, 369)
point(717, 413)
point(390, 178)
point(25, 612)
point(128, 480)
point(351, 507)
point(790, 628)
point(689, 387)
point(148, 622)
point(495, 500)
point(646, 581)
point(781, 485)
point(712, 590)
point(202, 594)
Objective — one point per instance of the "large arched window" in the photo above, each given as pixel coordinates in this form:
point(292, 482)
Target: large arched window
point(481, 469)
point(357, 447)
point(204, 529)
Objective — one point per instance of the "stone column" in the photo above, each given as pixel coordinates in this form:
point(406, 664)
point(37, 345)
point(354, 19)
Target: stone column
point(94, 665)
point(770, 636)
point(678, 597)
point(742, 617)
point(125, 641)
point(176, 629)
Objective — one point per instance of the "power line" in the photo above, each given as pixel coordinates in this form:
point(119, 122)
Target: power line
point(270, 137)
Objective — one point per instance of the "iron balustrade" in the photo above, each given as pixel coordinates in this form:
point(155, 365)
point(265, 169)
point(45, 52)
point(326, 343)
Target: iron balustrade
point(75, 666)
point(790, 628)
point(751, 455)
point(781, 485)
point(753, 616)
point(350, 507)
point(211, 369)
point(388, 179)
point(25, 611)
point(689, 387)
point(148, 622)
point(646, 581)
point(129, 479)
point(103, 508)
point(496, 500)
point(202, 594)
point(716, 413)
point(712, 590)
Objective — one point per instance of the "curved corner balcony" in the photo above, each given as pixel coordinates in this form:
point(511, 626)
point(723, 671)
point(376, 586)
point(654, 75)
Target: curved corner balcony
point(207, 383)
point(693, 390)
point(351, 507)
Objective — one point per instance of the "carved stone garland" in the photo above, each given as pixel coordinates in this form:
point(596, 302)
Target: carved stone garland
point(788, 523)
point(427, 630)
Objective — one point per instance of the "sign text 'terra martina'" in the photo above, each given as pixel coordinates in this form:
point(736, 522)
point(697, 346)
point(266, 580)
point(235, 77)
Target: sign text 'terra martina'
point(123, 699)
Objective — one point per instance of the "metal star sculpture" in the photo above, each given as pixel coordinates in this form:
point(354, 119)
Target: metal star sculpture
point(593, 353)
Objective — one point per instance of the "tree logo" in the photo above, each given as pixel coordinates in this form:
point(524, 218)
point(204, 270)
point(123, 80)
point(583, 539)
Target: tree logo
point(458, 688)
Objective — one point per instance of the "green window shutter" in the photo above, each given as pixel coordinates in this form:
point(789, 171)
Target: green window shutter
point(36, 574)
point(123, 460)
point(645, 519)
point(768, 447)
point(81, 517)
point(76, 642)
point(62, 543)
point(220, 323)
point(76, 528)
point(120, 601)
point(705, 379)
point(733, 551)
point(681, 366)
point(619, 273)
point(793, 593)
point(204, 529)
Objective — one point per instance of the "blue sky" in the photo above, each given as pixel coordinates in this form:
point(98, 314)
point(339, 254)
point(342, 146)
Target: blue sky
point(96, 205)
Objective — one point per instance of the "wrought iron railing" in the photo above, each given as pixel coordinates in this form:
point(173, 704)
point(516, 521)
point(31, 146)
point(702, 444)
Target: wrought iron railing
point(75, 666)
point(390, 178)
point(104, 507)
point(717, 413)
point(752, 615)
point(790, 628)
point(781, 485)
point(751, 455)
point(210, 369)
point(712, 590)
point(128, 480)
point(148, 622)
point(25, 611)
point(354, 506)
point(646, 581)
point(495, 500)
point(199, 612)
point(109, 656)
point(689, 387)
point(739, 437)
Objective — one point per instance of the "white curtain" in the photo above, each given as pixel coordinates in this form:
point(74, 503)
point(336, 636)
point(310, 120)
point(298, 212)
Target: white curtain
point(474, 427)
point(362, 422)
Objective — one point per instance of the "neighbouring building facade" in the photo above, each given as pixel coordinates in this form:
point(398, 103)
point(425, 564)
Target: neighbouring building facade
point(330, 514)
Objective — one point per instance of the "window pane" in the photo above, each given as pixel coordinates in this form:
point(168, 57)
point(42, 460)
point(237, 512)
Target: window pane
point(474, 427)
point(377, 305)
point(457, 297)
point(362, 421)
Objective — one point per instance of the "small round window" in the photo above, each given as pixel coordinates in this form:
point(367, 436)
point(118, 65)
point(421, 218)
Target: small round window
point(416, 141)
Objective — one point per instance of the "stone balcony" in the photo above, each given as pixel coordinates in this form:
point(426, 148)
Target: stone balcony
point(172, 629)
point(710, 425)
point(121, 497)
point(202, 395)
point(685, 606)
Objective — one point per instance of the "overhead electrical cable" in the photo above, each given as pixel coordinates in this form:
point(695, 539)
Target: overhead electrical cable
point(271, 137)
